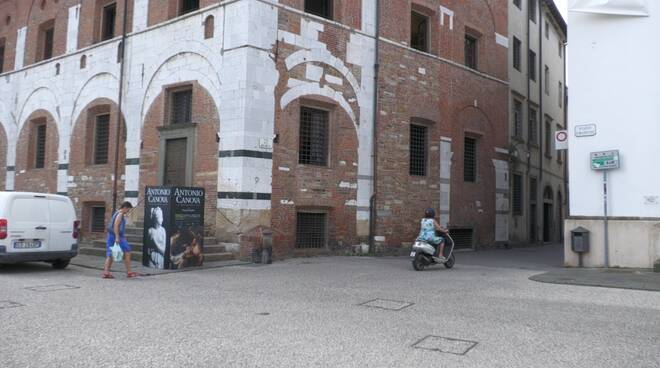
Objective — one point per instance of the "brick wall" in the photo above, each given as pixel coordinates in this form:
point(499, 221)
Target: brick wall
point(345, 12)
point(89, 31)
point(163, 10)
point(93, 183)
point(57, 12)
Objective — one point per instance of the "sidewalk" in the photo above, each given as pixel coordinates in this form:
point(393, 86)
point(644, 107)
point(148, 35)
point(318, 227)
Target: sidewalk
point(96, 263)
point(620, 278)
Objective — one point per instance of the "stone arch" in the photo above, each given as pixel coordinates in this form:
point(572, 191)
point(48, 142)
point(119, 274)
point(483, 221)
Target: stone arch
point(325, 57)
point(91, 183)
point(310, 89)
point(29, 177)
point(41, 98)
point(175, 69)
point(102, 85)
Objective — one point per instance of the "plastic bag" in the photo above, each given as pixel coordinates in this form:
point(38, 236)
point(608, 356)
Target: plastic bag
point(117, 253)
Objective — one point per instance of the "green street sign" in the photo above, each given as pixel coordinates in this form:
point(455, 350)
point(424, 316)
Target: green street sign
point(605, 160)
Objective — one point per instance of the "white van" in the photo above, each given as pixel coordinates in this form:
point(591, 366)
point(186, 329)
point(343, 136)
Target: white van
point(37, 227)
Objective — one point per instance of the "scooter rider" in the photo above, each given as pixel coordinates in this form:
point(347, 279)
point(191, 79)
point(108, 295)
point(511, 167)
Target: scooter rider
point(427, 233)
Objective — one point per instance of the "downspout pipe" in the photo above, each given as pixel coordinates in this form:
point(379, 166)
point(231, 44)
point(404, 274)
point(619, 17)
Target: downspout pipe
point(119, 107)
point(373, 212)
point(539, 193)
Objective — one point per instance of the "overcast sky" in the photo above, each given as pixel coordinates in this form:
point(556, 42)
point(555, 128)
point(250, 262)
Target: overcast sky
point(563, 6)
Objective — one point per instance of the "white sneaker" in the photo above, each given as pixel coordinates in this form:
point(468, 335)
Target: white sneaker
point(440, 259)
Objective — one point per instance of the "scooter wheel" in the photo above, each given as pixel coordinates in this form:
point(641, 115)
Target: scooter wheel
point(418, 263)
point(450, 262)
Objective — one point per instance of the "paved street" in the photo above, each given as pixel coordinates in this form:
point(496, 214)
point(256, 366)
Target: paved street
point(311, 312)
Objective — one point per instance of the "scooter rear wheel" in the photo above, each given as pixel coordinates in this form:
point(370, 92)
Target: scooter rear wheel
point(418, 263)
point(450, 262)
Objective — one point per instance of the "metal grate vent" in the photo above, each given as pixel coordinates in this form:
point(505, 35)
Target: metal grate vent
point(462, 237)
point(417, 150)
point(311, 230)
point(101, 139)
point(313, 148)
point(98, 219)
point(470, 160)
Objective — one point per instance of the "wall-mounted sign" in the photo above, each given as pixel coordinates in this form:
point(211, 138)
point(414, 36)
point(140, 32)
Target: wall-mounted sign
point(605, 160)
point(585, 130)
point(561, 140)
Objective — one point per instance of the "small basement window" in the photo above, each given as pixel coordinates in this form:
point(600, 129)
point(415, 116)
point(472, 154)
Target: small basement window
point(97, 220)
point(311, 230)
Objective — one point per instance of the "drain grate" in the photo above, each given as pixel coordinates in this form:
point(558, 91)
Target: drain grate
point(387, 304)
point(47, 288)
point(445, 345)
point(5, 304)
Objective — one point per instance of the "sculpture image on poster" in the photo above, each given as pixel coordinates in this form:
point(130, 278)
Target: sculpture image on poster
point(187, 231)
point(156, 221)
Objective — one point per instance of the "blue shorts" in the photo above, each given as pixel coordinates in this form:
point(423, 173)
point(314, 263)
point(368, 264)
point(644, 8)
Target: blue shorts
point(125, 247)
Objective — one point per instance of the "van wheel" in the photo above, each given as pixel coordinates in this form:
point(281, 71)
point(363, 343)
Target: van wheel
point(61, 264)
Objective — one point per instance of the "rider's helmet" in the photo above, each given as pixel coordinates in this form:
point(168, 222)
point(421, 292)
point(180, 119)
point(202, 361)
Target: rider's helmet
point(429, 213)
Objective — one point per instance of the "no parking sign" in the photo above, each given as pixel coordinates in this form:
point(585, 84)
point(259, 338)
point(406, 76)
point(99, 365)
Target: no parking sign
point(561, 139)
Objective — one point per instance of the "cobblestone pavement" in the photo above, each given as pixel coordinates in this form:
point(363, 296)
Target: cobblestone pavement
point(327, 312)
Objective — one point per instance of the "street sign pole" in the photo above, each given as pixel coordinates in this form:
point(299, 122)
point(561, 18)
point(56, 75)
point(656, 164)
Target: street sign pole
point(606, 234)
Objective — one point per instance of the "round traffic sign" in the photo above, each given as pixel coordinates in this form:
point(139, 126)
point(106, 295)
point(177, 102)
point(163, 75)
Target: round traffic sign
point(562, 136)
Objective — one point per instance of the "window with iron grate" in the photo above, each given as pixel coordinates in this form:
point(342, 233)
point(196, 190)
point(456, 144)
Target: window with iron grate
point(471, 51)
point(462, 237)
point(516, 195)
point(40, 146)
point(322, 8)
point(181, 106)
point(2, 55)
point(419, 32)
point(516, 53)
point(418, 155)
point(97, 221)
point(313, 146)
point(311, 230)
point(108, 20)
point(532, 126)
point(101, 139)
point(517, 119)
point(187, 6)
point(470, 160)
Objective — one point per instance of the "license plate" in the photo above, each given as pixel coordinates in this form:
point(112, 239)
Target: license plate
point(27, 244)
point(412, 254)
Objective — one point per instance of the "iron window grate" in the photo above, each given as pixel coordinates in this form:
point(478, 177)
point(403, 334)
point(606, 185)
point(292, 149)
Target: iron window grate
point(462, 237)
point(418, 154)
point(533, 127)
point(310, 230)
point(322, 8)
point(101, 139)
point(516, 53)
point(470, 160)
point(2, 58)
point(40, 151)
point(516, 195)
point(313, 147)
point(517, 119)
point(419, 29)
point(188, 6)
point(109, 17)
point(98, 219)
point(470, 52)
point(181, 108)
point(48, 43)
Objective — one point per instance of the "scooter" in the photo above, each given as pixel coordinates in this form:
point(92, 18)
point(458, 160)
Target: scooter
point(422, 254)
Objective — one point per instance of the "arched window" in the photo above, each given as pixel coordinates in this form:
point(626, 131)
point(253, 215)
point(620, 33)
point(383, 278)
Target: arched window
point(57, 69)
point(83, 62)
point(209, 27)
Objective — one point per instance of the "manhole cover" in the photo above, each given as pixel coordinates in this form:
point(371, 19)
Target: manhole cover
point(387, 304)
point(47, 288)
point(4, 304)
point(445, 345)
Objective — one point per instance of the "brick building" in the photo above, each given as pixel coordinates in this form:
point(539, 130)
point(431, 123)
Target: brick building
point(268, 105)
